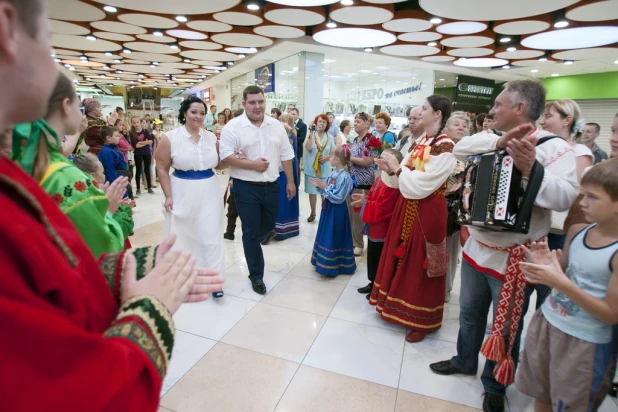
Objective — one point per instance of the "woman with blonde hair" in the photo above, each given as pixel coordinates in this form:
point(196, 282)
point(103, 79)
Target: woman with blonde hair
point(563, 118)
point(457, 127)
point(287, 222)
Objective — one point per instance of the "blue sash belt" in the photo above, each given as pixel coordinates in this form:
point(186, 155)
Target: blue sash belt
point(193, 174)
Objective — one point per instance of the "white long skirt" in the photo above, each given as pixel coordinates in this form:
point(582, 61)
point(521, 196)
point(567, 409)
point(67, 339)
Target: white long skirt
point(197, 220)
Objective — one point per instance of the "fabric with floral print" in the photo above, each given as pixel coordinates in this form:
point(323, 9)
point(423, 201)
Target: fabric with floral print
point(364, 176)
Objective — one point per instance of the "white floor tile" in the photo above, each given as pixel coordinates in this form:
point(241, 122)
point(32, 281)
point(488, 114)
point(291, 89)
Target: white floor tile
point(359, 278)
point(276, 331)
point(188, 350)
point(466, 390)
point(450, 325)
point(306, 295)
point(360, 351)
point(237, 282)
point(354, 307)
point(213, 318)
point(305, 269)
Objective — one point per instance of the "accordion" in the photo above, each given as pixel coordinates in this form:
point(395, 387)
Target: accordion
point(493, 195)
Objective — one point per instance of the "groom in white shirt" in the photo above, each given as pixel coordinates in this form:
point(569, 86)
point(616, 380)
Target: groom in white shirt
point(253, 145)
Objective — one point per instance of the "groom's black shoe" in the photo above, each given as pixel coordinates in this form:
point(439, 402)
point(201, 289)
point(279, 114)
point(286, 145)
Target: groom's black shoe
point(259, 286)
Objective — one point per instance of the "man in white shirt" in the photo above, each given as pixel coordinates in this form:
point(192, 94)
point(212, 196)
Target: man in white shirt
point(211, 118)
point(414, 124)
point(490, 258)
point(253, 145)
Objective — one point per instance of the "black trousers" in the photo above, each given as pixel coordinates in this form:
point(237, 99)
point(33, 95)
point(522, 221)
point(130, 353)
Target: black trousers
point(232, 213)
point(142, 163)
point(258, 206)
point(374, 252)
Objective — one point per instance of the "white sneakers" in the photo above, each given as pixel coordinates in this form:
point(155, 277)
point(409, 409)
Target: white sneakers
point(358, 251)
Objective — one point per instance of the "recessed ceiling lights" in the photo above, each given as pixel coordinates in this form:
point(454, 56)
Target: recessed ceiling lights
point(568, 62)
point(462, 58)
point(331, 24)
point(347, 2)
point(108, 54)
point(542, 59)
point(117, 61)
point(555, 75)
point(110, 9)
point(88, 78)
point(505, 40)
point(217, 71)
point(126, 50)
point(432, 44)
point(157, 32)
point(119, 71)
point(155, 63)
point(561, 23)
point(242, 56)
point(152, 65)
point(506, 66)
point(72, 68)
point(616, 62)
point(511, 48)
point(368, 49)
point(106, 67)
point(174, 45)
point(117, 78)
point(101, 75)
point(140, 75)
point(253, 5)
point(230, 63)
point(534, 71)
point(187, 60)
point(181, 19)
point(435, 20)
point(91, 37)
point(67, 65)
point(441, 80)
point(83, 57)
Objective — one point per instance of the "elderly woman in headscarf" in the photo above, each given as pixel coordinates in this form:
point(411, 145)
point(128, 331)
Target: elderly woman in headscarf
point(90, 137)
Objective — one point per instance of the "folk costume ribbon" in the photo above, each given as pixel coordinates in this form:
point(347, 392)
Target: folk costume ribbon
point(316, 161)
point(26, 139)
point(513, 293)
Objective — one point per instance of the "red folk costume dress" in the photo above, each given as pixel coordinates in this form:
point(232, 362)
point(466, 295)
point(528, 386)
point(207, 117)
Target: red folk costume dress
point(67, 345)
point(403, 293)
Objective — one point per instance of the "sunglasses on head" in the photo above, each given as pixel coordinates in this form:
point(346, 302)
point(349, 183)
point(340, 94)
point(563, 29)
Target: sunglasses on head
point(363, 115)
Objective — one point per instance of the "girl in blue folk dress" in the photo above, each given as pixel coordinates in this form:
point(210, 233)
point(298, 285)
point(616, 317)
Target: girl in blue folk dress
point(333, 251)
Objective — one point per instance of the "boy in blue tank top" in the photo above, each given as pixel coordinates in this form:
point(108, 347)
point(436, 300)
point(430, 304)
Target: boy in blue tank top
point(567, 362)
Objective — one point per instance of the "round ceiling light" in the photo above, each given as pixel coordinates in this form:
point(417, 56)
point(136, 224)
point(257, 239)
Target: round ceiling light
point(438, 59)
point(73, 10)
point(481, 62)
point(285, 15)
point(176, 7)
point(409, 50)
point(241, 50)
point(363, 15)
point(594, 11)
point(408, 21)
point(595, 53)
point(240, 39)
point(487, 11)
point(279, 32)
point(471, 52)
point(150, 21)
point(469, 41)
point(573, 38)
point(421, 36)
point(303, 3)
point(532, 63)
point(187, 34)
point(462, 27)
point(238, 18)
point(209, 26)
point(354, 37)
point(520, 27)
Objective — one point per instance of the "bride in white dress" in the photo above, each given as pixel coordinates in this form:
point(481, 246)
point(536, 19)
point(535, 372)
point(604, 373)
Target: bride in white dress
point(193, 200)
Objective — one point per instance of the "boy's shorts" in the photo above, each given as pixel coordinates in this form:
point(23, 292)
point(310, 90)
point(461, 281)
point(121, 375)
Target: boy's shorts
point(562, 370)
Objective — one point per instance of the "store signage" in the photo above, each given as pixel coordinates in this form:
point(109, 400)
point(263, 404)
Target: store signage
point(265, 76)
point(474, 90)
point(369, 94)
point(401, 92)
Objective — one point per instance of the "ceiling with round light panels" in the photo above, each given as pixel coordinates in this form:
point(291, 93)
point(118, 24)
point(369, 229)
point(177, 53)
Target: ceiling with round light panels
point(182, 37)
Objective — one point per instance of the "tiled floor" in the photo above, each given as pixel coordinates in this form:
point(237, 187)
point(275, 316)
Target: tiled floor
point(310, 344)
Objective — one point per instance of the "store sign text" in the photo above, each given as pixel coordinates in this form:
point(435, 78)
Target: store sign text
point(407, 90)
point(475, 89)
point(369, 94)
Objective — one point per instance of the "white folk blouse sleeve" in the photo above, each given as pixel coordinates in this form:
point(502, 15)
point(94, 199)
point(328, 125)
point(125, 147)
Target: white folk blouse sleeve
point(414, 184)
point(393, 181)
point(560, 187)
point(471, 145)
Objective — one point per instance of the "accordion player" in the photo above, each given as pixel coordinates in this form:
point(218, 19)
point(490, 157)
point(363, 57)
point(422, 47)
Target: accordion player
point(495, 196)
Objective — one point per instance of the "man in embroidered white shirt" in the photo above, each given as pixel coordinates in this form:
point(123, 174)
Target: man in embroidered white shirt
point(253, 145)
point(484, 268)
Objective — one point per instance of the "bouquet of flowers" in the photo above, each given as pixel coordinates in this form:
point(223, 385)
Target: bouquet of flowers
point(376, 144)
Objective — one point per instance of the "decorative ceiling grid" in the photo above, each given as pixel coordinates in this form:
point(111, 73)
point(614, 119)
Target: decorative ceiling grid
point(142, 40)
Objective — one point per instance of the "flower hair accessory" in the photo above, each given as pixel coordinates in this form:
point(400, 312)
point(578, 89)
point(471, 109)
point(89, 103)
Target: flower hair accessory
point(578, 126)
